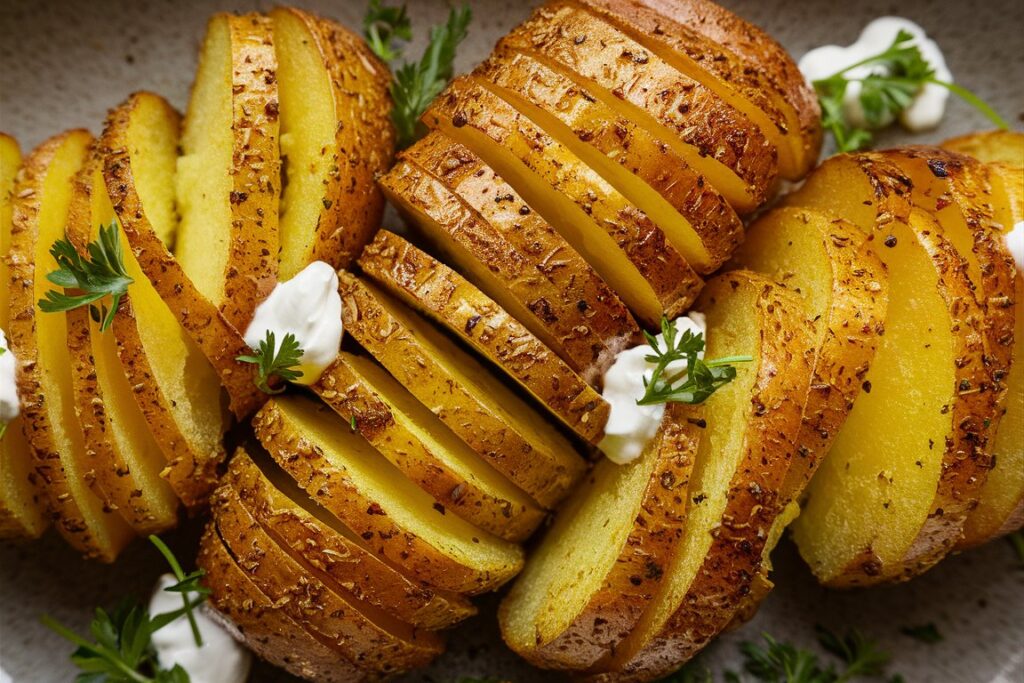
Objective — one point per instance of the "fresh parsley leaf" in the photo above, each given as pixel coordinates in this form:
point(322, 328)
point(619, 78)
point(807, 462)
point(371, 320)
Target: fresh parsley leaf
point(897, 74)
point(860, 654)
point(382, 26)
point(99, 275)
point(926, 633)
point(275, 362)
point(698, 381)
point(415, 84)
point(121, 649)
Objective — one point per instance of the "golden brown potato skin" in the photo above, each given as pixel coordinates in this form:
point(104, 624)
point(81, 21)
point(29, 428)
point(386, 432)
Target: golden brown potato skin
point(755, 498)
point(351, 565)
point(268, 631)
point(546, 471)
point(627, 589)
point(429, 285)
point(303, 461)
point(220, 341)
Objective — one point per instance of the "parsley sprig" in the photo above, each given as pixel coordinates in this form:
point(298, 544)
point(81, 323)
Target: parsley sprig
point(415, 84)
point(899, 74)
point(121, 649)
point(99, 275)
point(698, 381)
point(272, 361)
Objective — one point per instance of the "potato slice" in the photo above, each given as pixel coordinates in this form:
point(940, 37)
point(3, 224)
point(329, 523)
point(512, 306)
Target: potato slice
point(42, 195)
point(336, 137)
point(991, 147)
point(228, 177)
point(695, 218)
point(366, 636)
point(723, 72)
point(443, 295)
point(483, 229)
point(720, 142)
point(885, 504)
point(343, 473)
point(741, 466)
point(424, 449)
point(137, 144)
point(317, 538)
point(844, 286)
point(21, 504)
point(621, 242)
point(760, 53)
point(126, 460)
point(489, 417)
point(596, 569)
point(268, 631)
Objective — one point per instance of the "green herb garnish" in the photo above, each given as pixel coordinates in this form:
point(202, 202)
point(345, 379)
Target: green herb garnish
point(698, 381)
point(99, 275)
point(926, 633)
point(902, 72)
point(415, 84)
point(121, 649)
point(275, 362)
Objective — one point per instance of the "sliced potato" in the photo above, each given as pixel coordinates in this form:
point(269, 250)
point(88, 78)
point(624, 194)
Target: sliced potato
point(493, 420)
point(443, 295)
point(597, 568)
point(267, 630)
point(695, 218)
point(21, 505)
point(343, 473)
point(760, 53)
point(228, 176)
point(992, 147)
point(126, 460)
point(42, 195)
point(317, 538)
point(621, 242)
point(336, 137)
point(139, 137)
point(366, 636)
point(724, 73)
point(424, 449)
point(742, 463)
point(719, 141)
point(887, 504)
point(844, 286)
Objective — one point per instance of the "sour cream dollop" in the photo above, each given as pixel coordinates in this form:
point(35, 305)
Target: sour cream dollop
point(221, 659)
point(9, 405)
point(631, 427)
point(1015, 244)
point(309, 307)
point(929, 105)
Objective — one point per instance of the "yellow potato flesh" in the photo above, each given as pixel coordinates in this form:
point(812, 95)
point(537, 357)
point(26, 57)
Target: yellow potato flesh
point(203, 181)
point(410, 507)
point(875, 488)
point(308, 127)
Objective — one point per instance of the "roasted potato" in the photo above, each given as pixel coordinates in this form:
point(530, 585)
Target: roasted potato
point(413, 439)
point(621, 242)
point(442, 294)
point(480, 227)
point(483, 412)
point(598, 566)
point(228, 175)
point(21, 506)
point(991, 147)
point(401, 522)
point(42, 195)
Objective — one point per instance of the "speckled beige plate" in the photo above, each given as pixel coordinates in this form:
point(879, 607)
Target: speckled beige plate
point(63, 63)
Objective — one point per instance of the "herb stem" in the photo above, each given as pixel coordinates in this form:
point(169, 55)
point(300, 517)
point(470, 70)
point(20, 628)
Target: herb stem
point(179, 574)
point(973, 100)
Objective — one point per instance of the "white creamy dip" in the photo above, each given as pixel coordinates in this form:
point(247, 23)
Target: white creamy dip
point(309, 307)
point(9, 406)
point(221, 659)
point(631, 427)
point(924, 113)
point(1015, 244)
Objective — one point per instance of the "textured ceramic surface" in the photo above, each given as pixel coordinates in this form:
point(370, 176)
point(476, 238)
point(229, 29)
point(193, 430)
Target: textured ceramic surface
point(62, 64)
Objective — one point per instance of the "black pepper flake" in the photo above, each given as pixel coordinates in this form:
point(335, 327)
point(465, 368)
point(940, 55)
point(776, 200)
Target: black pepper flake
point(459, 120)
point(582, 306)
point(472, 323)
point(890, 241)
point(698, 422)
point(866, 386)
point(938, 168)
point(524, 210)
point(439, 508)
